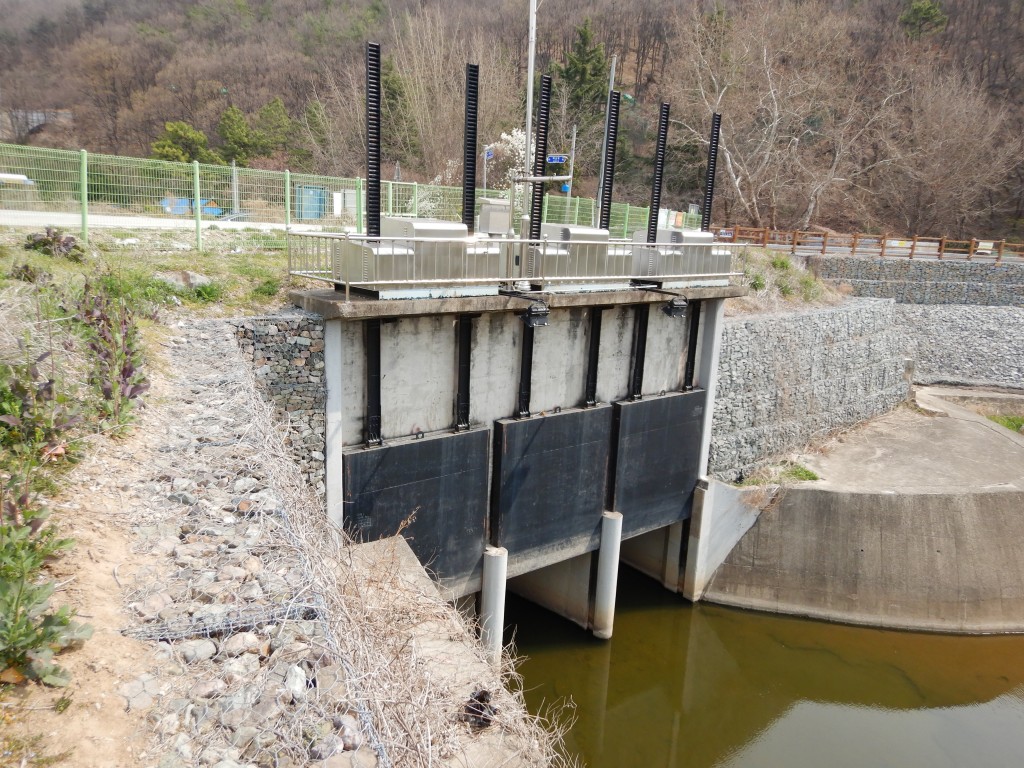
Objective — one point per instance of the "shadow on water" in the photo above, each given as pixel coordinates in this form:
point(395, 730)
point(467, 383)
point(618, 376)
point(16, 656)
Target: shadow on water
point(695, 686)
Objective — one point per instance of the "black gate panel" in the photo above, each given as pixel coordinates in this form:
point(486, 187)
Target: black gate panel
point(657, 459)
point(438, 484)
point(550, 478)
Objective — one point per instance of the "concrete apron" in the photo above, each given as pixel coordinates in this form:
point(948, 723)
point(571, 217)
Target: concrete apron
point(917, 524)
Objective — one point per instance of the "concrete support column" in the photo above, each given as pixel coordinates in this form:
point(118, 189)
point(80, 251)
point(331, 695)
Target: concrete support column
point(702, 520)
point(333, 444)
point(492, 602)
point(712, 318)
point(607, 574)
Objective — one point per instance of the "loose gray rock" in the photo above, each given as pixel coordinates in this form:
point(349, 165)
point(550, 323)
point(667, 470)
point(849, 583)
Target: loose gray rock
point(208, 689)
point(243, 642)
point(295, 682)
point(193, 651)
point(325, 747)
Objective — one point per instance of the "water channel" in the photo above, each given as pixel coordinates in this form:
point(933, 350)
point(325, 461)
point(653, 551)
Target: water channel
point(685, 686)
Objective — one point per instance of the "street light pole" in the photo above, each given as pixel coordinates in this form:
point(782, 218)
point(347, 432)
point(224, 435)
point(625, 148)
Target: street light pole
point(529, 86)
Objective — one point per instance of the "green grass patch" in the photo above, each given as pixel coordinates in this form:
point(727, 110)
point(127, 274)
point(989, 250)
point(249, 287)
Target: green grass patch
point(268, 288)
point(798, 473)
point(781, 263)
point(1014, 423)
point(810, 289)
point(209, 292)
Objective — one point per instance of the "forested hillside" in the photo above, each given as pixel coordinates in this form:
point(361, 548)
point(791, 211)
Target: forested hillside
point(892, 115)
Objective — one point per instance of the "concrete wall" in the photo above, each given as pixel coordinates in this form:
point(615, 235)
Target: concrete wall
point(965, 344)
point(786, 378)
point(933, 561)
point(924, 281)
point(287, 353)
point(722, 515)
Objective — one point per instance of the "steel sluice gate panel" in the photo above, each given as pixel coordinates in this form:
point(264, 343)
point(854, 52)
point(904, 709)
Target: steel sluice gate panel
point(550, 480)
point(657, 459)
point(438, 484)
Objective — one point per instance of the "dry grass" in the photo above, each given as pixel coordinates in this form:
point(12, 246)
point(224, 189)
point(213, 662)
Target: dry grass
point(411, 659)
point(777, 282)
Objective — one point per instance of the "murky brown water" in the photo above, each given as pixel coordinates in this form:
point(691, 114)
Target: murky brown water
point(703, 686)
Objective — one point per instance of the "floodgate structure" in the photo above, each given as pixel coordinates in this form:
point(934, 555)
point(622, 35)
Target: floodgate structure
point(526, 408)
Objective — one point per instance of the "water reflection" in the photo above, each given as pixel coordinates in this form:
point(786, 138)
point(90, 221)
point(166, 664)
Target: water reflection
point(702, 686)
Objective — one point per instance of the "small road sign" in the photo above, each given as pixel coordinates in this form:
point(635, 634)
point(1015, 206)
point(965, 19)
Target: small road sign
point(558, 159)
point(488, 154)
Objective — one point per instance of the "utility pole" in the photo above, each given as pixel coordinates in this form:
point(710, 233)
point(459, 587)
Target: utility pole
point(572, 159)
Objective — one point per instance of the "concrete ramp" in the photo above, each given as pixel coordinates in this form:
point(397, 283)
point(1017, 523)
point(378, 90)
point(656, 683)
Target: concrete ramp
point(947, 562)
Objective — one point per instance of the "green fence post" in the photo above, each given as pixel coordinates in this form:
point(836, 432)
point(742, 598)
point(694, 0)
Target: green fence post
point(83, 193)
point(197, 205)
point(544, 210)
point(625, 224)
point(391, 199)
point(576, 215)
point(415, 200)
point(287, 199)
point(359, 205)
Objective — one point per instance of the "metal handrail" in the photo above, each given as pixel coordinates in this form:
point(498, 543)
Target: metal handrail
point(496, 261)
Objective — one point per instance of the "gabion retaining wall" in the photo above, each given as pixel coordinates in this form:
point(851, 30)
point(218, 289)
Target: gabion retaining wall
point(926, 282)
point(965, 344)
point(287, 353)
point(786, 378)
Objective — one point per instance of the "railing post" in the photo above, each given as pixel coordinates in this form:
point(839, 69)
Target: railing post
point(913, 246)
point(824, 242)
point(625, 224)
point(197, 205)
point(359, 205)
point(942, 247)
point(881, 252)
point(391, 198)
point(83, 193)
point(970, 253)
point(999, 253)
point(576, 215)
point(416, 200)
point(287, 199)
point(853, 245)
point(544, 211)
point(793, 242)
point(764, 237)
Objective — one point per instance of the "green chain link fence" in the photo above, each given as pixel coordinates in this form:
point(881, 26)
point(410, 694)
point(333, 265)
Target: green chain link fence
point(76, 191)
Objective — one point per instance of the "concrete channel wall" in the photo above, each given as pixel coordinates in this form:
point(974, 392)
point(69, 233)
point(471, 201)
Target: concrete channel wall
point(786, 378)
point(927, 561)
point(925, 281)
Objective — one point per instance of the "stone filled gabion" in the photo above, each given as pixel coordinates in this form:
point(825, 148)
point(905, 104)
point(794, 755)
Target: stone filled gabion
point(981, 346)
point(926, 281)
point(783, 379)
point(287, 354)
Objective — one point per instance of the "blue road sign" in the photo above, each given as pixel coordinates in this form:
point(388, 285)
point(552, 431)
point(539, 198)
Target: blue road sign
point(488, 154)
point(558, 159)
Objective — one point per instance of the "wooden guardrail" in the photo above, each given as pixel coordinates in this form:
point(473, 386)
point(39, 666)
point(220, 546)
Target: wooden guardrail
point(809, 242)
